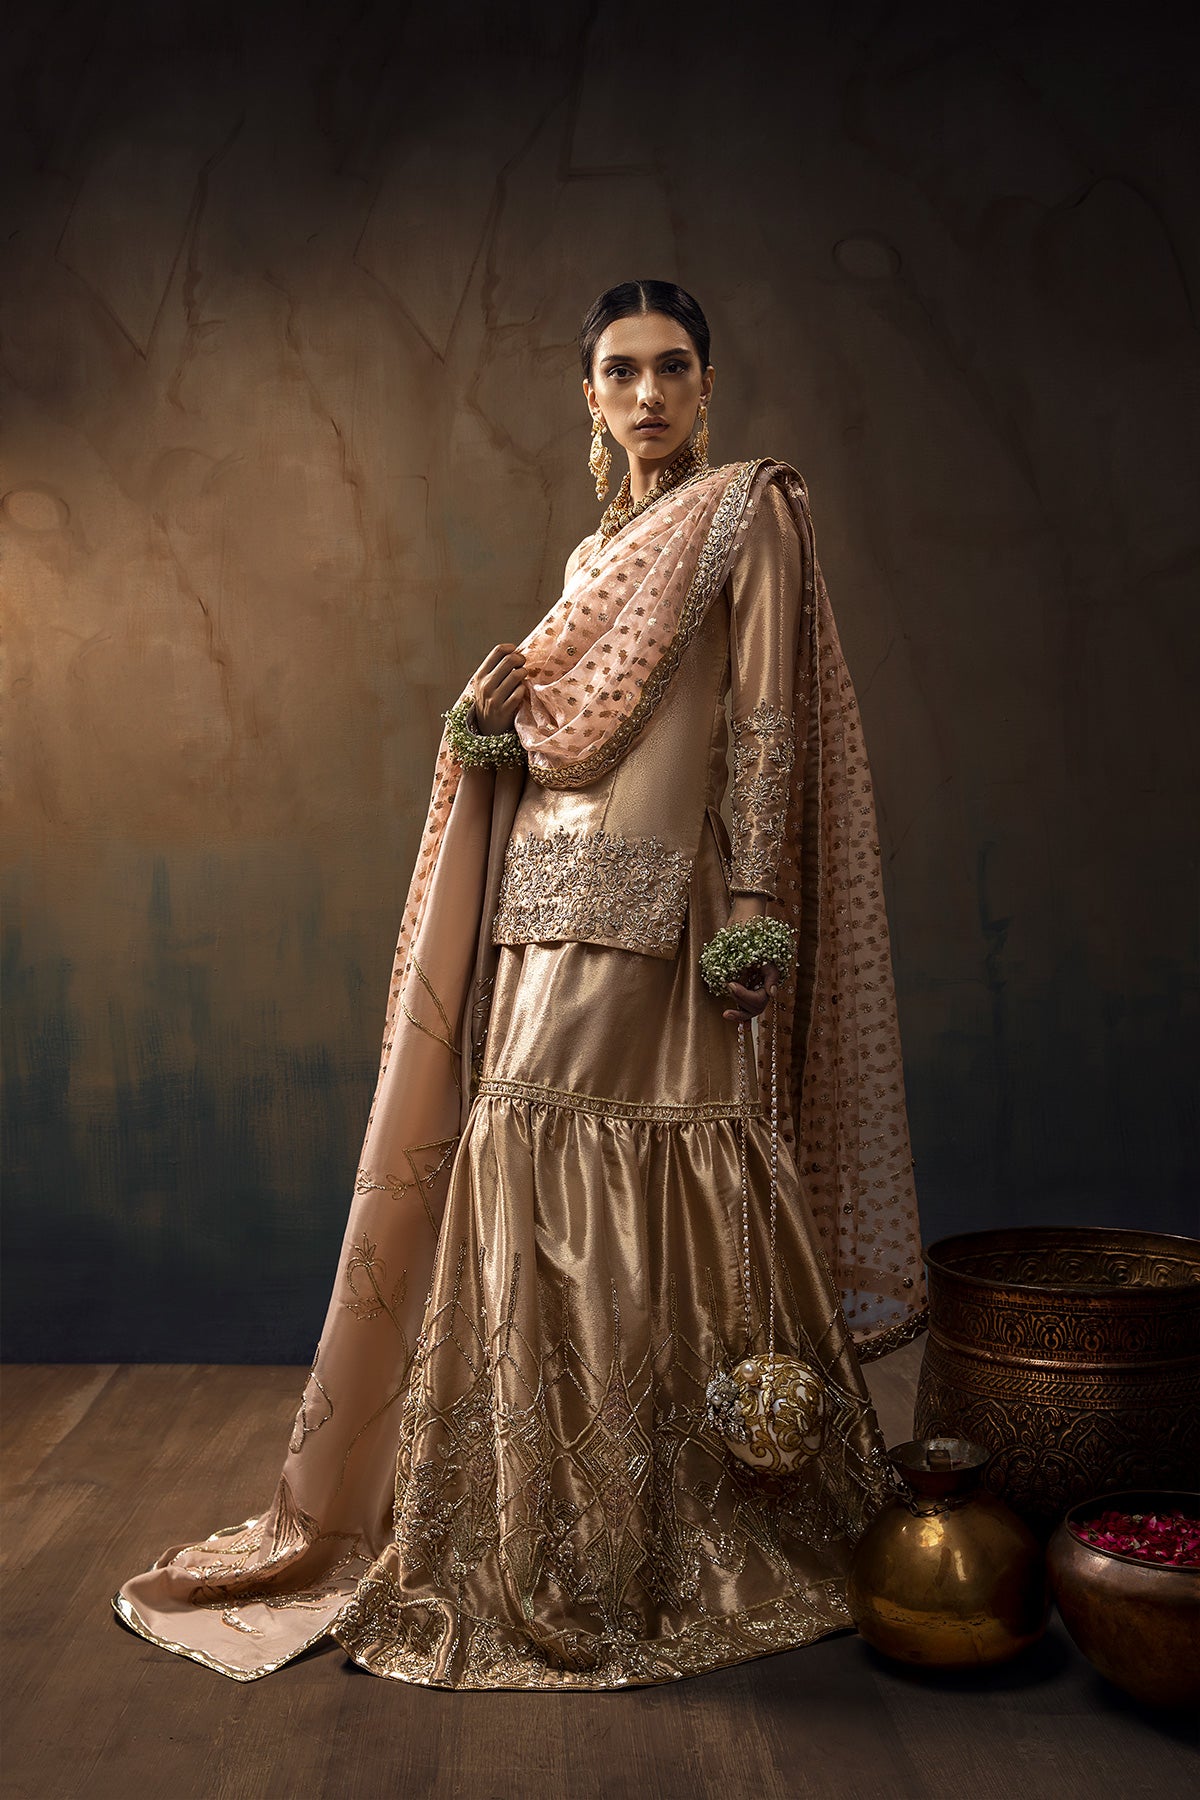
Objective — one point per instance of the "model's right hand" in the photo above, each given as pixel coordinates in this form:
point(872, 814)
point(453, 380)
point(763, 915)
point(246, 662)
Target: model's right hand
point(498, 688)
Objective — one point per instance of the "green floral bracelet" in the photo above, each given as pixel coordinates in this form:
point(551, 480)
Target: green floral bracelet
point(476, 749)
point(735, 950)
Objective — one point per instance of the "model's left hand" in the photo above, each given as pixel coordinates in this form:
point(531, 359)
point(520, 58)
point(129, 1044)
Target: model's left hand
point(750, 1001)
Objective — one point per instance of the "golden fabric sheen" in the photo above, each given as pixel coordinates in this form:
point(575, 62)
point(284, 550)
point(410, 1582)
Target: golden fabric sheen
point(501, 1474)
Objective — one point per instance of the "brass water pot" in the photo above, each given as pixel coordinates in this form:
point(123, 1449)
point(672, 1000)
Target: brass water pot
point(947, 1575)
point(1073, 1352)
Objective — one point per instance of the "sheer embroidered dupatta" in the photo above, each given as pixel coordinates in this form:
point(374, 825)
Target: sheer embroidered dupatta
point(839, 1037)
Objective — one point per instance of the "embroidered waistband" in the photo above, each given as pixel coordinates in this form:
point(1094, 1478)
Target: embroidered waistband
point(627, 892)
point(570, 1101)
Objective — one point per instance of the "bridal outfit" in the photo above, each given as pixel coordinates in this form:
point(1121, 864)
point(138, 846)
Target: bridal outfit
point(501, 1473)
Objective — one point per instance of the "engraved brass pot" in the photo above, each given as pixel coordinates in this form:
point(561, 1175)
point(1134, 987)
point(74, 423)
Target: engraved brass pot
point(1136, 1622)
point(947, 1575)
point(1072, 1353)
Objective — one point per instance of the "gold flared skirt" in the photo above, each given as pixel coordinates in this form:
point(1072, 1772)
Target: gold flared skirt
point(565, 1517)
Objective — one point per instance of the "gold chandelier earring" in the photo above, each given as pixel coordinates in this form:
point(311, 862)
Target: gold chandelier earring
point(700, 441)
point(600, 457)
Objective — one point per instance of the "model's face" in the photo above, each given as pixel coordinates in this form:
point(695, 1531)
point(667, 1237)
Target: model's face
point(647, 383)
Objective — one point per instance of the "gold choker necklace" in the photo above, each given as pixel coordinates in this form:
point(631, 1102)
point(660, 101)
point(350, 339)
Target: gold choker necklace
point(687, 466)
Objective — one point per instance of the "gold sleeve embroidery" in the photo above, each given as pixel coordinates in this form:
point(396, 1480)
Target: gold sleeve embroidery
point(764, 751)
point(766, 583)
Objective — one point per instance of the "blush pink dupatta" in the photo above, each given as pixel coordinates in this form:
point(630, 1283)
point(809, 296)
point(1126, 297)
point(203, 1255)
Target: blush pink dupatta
point(249, 1598)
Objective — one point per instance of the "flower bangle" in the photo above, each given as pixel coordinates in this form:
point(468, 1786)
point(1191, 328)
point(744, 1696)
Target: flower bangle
point(736, 950)
point(476, 749)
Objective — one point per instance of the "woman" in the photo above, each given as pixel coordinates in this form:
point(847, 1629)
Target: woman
point(517, 1459)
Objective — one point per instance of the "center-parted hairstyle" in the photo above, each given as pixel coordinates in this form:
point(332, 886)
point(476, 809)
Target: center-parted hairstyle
point(627, 300)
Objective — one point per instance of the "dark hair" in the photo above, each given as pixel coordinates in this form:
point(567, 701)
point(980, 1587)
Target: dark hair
point(627, 300)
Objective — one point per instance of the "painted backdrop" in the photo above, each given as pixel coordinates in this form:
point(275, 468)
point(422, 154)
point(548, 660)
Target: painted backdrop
point(293, 433)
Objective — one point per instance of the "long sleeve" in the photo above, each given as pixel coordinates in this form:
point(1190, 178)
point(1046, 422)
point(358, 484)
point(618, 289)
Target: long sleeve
point(765, 603)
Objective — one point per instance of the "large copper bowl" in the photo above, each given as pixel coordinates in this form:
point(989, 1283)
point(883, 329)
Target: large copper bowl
point(1071, 1352)
point(1135, 1621)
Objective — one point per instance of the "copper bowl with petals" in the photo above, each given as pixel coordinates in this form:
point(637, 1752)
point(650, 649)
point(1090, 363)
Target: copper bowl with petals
point(1137, 1622)
point(1072, 1353)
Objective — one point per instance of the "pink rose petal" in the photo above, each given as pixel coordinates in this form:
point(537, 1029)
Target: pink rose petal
point(1170, 1539)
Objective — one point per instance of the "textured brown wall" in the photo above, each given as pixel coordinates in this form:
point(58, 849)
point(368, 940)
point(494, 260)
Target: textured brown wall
point(293, 433)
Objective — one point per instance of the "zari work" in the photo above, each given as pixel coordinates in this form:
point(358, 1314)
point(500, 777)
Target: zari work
point(631, 893)
point(764, 754)
point(501, 1473)
point(582, 1485)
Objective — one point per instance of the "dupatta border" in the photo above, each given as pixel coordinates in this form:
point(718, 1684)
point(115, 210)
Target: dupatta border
point(893, 1337)
point(706, 581)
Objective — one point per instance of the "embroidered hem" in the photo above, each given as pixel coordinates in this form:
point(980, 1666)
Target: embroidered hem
point(403, 1639)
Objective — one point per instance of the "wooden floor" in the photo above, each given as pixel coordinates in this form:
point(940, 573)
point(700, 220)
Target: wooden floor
point(106, 1466)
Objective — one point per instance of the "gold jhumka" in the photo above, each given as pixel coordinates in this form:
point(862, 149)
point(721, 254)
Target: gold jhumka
point(600, 456)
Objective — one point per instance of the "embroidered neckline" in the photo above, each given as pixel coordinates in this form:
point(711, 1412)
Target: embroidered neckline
point(686, 466)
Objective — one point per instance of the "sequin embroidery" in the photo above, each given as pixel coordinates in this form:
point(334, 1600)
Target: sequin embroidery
point(764, 752)
point(600, 889)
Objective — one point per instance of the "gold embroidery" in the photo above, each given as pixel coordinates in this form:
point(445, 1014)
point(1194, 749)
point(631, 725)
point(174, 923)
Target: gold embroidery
point(133, 1618)
point(448, 1040)
point(706, 582)
point(616, 1109)
point(365, 1261)
point(884, 1342)
point(372, 1417)
point(421, 1178)
point(230, 1617)
point(629, 892)
point(294, 1534)
point(301, 1429)
point(293, 1531)
point(481, 1013)
point(596, 1527)
point(764, 751)
point(305, 1599)
point(404, 1639)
